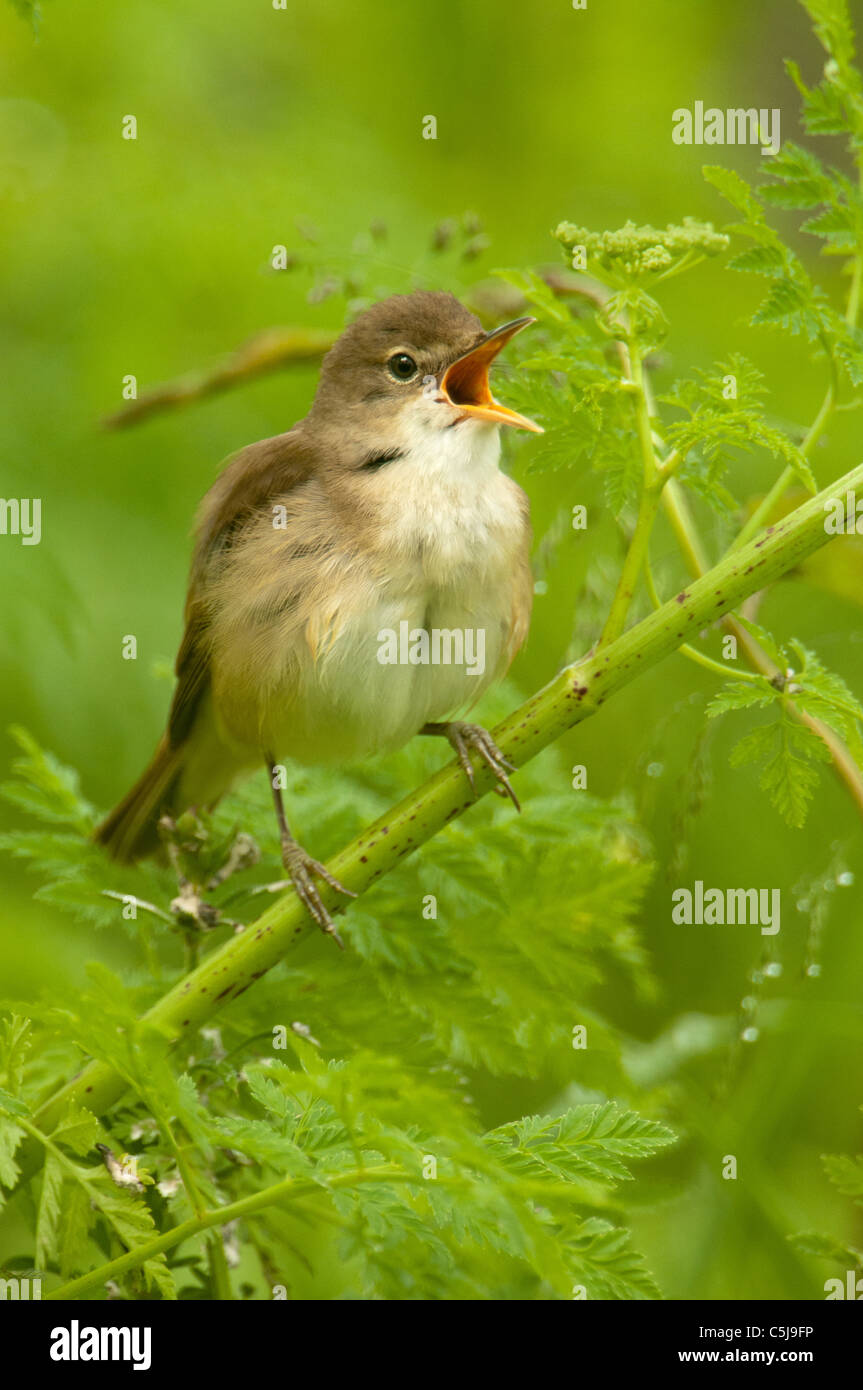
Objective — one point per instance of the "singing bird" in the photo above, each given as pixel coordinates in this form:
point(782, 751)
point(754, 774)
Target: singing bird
point(385, 505)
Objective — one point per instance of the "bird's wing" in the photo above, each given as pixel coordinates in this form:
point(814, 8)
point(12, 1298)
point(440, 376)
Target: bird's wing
point(254, 476)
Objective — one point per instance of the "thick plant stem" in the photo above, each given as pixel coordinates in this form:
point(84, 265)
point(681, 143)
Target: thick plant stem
point(700, 658)
point(577, 691)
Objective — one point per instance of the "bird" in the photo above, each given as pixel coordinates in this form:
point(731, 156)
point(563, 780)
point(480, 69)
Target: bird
point(384, 510)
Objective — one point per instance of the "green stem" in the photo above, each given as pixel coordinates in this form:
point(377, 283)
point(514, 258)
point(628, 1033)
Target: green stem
point(219, 1272)
point(856, 291)
point(709, 664)
point(642, 413)
point(196, 1201)
point(686, 530)
point(191, 950)
point(701, 658)
point(636, 558)
point(762, 514)
point(683, 525)
point(291, 1189)
point(689, 262)
point(852, 310)
point(648, 505)
point(766, 507)
point(575, 693)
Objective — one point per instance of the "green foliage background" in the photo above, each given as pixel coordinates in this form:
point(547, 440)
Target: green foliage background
point(152, 258)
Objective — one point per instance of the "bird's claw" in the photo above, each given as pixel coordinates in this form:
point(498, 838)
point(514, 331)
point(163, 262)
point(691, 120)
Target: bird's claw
point(303, 870)
point(464, 737)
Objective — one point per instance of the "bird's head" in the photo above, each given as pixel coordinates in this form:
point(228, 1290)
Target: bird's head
point(414, 362)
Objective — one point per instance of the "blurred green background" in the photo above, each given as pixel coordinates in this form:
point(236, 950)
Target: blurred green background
point(152, 258)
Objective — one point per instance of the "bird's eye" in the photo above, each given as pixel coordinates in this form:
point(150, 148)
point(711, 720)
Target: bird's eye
point(402, 366)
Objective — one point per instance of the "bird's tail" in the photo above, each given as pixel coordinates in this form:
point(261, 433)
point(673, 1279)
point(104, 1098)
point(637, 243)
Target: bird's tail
point(130, 831)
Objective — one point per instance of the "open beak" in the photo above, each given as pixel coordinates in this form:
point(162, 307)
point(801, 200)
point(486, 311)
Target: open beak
point(465, 381)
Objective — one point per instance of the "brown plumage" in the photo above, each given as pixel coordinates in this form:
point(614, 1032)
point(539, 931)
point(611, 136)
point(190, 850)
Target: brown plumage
point(384, 504)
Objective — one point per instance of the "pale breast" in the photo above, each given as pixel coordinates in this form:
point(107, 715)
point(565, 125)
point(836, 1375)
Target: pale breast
point(378, 640)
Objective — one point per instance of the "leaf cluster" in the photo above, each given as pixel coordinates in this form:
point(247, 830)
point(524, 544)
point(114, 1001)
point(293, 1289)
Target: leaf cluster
point(786, 749)
point(335, 1065)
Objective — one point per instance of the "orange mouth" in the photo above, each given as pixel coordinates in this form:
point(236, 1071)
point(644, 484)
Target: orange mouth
point(465, 381)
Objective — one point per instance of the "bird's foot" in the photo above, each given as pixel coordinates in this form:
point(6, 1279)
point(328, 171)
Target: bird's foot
point(303, 870)
point(464, 737)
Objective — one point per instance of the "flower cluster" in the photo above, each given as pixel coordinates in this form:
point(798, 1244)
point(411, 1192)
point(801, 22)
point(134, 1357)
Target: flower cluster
point(632, 253)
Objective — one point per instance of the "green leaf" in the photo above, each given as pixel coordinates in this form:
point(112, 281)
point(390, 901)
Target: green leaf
point(734, 189)
point(74, 1233)
point(845, 1173)
point(759, 260)
point(538, 295)
point(825, 695)
point(835, 106)
point(10, 1137)
point(83, 899)
point(602, 1261)
point(261, 1142)
point(715, 421)
point(50, 852)
point(588, 1142)
point(840, 225)
point(47, 789)
point(132, 1223)
point(801, 179)
point(15, 1043)
point(826, 1248)
point(848, 351)
point(777, 653)
point(787, 750)
point(823, 112)
point(790, 305)
point(742, 695)
point(49, 1212)
point(833, 29)
point(78, 1130)
point(10, 1105)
